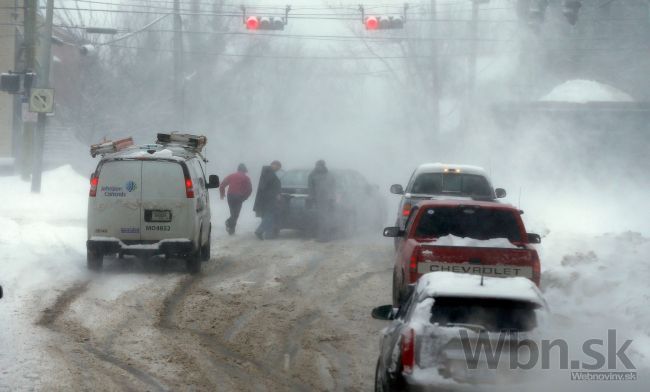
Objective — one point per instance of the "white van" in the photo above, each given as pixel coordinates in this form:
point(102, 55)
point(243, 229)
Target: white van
point(150, 200)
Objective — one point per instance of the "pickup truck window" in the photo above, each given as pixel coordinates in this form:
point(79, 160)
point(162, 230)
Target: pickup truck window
point(453, 183)
point(479, 223)
point(493, 315)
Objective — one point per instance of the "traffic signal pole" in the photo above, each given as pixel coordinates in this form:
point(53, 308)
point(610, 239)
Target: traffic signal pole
point(179, 94)
point(435, 73)
point(42, 81)
point(29, 43)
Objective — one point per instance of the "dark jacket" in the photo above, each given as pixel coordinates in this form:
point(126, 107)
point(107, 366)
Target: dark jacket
point(322, 186)
point(268, 190)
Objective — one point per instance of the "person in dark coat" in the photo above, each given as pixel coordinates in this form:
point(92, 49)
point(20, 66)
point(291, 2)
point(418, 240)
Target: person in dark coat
point(267, 201)
point(239, 190)
point(322, 191)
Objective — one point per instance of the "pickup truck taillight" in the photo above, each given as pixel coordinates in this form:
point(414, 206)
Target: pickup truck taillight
point(94, 181)
point(408, 350)
point(415, 259)
point(406, 210)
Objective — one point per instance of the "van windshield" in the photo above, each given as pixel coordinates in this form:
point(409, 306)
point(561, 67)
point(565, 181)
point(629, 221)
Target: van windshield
point(459, 184)
point(492, 314)
point(477, 223)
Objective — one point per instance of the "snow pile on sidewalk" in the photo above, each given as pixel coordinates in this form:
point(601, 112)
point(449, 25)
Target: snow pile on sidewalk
point(599, 283)
point(42, 250)
point(583, 91)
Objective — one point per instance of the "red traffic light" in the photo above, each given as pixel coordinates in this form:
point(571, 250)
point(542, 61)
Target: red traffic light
point(372, 23)
point(252, 23)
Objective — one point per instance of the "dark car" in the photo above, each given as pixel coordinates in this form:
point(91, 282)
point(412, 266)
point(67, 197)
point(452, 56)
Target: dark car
point(423, 348)
point(358, 203)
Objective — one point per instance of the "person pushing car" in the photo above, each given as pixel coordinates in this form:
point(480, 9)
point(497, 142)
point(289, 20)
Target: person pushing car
point(239, 190)
point(267, 201)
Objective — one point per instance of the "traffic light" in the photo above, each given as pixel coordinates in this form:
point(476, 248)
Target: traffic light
point(255, 22)
point(570, 10)
point(382, 22)
point(265, 23)
point(10, 82)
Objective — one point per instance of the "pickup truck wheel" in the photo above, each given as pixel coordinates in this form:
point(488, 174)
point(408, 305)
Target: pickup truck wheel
point(94, 260)
point(193, 263)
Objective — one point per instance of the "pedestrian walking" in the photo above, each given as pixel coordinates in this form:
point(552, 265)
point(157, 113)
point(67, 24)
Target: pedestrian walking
point(239, 189)
point(267, 201)
point(322, 191)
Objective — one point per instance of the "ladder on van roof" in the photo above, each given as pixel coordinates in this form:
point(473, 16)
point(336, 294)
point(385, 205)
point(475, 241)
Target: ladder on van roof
point(195, 143)
point(110, 146)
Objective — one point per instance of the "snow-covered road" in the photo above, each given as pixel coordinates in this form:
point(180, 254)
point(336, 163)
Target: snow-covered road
point(276, 315)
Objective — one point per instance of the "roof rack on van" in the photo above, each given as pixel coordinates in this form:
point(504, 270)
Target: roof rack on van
point(110, 146)
point(194, 143)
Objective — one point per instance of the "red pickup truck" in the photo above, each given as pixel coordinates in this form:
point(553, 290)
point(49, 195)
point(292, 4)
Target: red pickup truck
point(476, 237)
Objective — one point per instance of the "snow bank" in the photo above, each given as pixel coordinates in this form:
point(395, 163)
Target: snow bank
point(452, 240)
point(583, 91)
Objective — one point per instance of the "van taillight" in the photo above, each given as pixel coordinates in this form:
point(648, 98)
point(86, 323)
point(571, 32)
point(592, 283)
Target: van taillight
point(408, 350)
point(94, 181)
point(189, 188)
point(415, 259)
point(406, 210)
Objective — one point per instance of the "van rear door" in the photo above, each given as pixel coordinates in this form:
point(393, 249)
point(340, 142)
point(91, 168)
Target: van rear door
point(116, 206)
point(166, 210)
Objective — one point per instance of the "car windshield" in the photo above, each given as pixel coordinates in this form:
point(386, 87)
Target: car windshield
point(477, 223)
point(492, 314)
point(295, 179)
point(451, 183)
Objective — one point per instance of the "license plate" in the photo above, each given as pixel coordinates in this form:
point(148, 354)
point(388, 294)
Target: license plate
point(158, 215)
point(498, 270)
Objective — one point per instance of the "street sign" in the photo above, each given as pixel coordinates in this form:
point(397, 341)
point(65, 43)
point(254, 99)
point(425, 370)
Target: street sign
point(41, 100)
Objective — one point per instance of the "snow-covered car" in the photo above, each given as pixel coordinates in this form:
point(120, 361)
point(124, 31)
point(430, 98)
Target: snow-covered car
point(150, 200)
point(441, 180)
point(423, 348)
point(467, 236)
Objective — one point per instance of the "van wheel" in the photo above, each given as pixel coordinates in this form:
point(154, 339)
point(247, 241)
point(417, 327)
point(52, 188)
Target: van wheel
point(193, 263)
point(205, 250)
point(94, 260)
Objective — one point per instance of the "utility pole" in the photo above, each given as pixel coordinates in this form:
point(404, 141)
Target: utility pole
point(42, 81)
point(179, 94)
point(435, 72)
point(471, 67)
point(29, 10)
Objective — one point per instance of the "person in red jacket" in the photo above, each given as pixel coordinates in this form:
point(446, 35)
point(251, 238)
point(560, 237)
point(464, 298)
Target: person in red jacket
point(239, 189)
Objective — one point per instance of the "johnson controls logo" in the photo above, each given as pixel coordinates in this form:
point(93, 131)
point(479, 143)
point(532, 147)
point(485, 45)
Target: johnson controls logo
point(130, 186)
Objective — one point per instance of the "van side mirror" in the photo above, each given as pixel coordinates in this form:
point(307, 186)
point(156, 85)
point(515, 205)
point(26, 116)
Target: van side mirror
point(534, 238)
point(384, 312)
point(213, 181)
point(396, 189)
point(393, 231)
point(500, 193)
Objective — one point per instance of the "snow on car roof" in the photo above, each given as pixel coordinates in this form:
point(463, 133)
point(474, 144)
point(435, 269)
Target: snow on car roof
point(458, 202)
point(160, 152)
point(451, 284)
point(440, 168)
